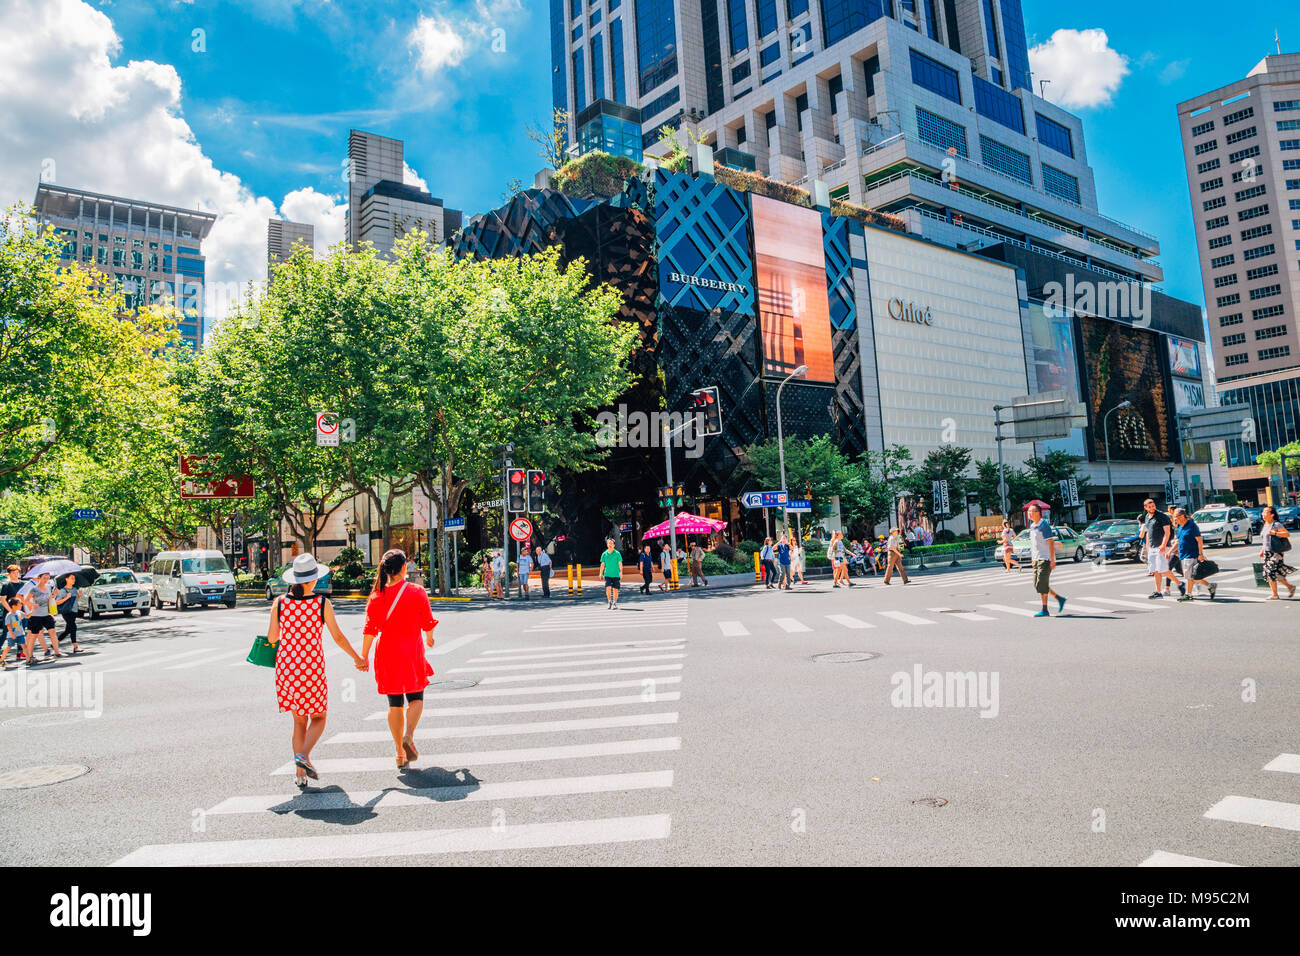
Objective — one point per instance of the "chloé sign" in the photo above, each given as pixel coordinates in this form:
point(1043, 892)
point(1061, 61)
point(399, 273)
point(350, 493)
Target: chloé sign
point(910, 312)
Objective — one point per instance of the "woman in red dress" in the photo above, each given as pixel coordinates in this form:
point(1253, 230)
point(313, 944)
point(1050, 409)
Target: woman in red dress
point(297, 620)
point(396, 614)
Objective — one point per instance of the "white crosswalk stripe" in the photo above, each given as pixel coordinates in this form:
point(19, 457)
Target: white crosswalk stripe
point(1263, 813)
point(1284, 763)
point(905, 618)
point(1119, 603)
point(847, 620)
point(962, 615)
point(1163, 858)
point(791, 626)
point(1073, 605)
point(591, 644)
point(1019, 611)
point(153, 660)
point(455, 643)
point(611, 734)
point(204, 661)
point(733, 629)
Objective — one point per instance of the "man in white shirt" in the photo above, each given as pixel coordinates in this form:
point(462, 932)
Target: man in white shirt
point(544, 569)
point(1042, 552)
point(525, 568)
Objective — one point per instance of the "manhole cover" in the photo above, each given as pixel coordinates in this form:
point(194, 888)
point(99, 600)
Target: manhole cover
point(41, 776)
point(441, 685)
point(930, 802)
point(52, 718)
point(845, 657)
point(957, 610)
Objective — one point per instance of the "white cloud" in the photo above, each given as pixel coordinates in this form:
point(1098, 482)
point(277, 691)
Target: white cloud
point(324, 212)
point(1083, 69)
point(411, 178)
point(436, 43)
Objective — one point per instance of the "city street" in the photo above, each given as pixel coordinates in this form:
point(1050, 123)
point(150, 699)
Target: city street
point(701, 728)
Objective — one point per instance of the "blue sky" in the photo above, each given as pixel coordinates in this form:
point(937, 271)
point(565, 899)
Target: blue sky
point(270, 96)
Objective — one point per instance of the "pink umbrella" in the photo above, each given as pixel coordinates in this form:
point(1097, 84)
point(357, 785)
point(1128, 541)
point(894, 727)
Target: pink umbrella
point(687, 524)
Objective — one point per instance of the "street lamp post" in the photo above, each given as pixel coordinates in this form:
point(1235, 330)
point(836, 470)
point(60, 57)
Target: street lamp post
point(780, 444)
point(1169, 484)
point(1105, 427)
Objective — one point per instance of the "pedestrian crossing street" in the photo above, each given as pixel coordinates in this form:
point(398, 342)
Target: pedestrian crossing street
point(993, 596)
point(1251, 811)
point(577, 724)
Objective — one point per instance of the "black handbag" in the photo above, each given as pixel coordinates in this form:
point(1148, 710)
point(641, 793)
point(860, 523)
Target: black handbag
point(1278, 544)
point(1204, 569)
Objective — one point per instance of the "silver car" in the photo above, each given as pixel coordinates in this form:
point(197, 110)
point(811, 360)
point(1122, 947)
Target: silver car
point(116, 591)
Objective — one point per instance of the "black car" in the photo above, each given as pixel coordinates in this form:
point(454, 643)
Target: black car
point(1290, 517)
point(276, 586)
point(1121, 540)
point(1256, 520)
point(1097, 528)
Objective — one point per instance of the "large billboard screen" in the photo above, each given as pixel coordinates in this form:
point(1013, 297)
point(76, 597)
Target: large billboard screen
point(1184, 358)
point(1126, 364)
point(793, 310)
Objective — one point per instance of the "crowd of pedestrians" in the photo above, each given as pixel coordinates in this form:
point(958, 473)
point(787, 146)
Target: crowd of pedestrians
point(28, 609)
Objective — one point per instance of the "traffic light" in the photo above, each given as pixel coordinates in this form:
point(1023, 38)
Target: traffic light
point(708, 401)
point(515, 489)
point(536, 491)
point(672, 496)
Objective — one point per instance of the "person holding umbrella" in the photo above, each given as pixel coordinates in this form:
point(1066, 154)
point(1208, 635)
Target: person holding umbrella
point(41, 623)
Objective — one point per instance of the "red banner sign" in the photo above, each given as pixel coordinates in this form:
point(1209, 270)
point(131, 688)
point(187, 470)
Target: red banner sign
point(198, 482)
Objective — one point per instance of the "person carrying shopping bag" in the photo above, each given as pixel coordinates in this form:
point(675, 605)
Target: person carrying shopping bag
point(297, 620)
point(396, 614)
point(1277, 542)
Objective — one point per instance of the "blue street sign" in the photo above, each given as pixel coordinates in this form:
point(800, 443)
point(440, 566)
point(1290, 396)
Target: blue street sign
point(455, 524)
point(796, 504)
point(763, 499)
point(88, 514)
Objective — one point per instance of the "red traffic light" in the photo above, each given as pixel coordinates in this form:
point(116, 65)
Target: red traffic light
point(516, 476)
point(538, 477)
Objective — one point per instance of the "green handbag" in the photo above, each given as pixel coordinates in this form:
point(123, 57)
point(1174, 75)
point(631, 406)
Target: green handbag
point(263, 652)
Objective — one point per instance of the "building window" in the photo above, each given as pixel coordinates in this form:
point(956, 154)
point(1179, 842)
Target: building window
point(1242, 154)
point(616, 59)
point(870, 68)
point(1272, 332)
point(1263, 272)
point(1278, 351)
point(1226, 300)
point(597, 67)
point(1208, 165)
point(937, 131)
point(770, 119)
point(998, 105)
point(1240, 358)
point(769, 55)
point(800, 104)
point(1203, 128)
point(1254, 232)
point(575, 9)
point(1241, 134)
point(795, 8)
point(1285, 125)
point(834, 87)
point(1218, 222)
point(594, 19)
point(740, 72)
point(765, 10)
point(661, 103)
point(801, 44)
point(1293, 204)
point(1218, 242)
point(1004, 159)
point(1237, 338)
point(740, 135)
point(1254, 212)
point(737, 25)
point(579, 81)
point(1288, 144)
point(1289, 164)
point(1243, 194)
point(1205, 147)
point(656, 43)
point(1265, 292)
point(1285, 106)
point(843, 17)
point(1238, 116)
point(1258, 252)
point(1233, 319)
point(934, 76)
point(1216, 203)
point(1267, 312)
point(1209, 184)
point(1292, 184)
point(1222, 281)
point(577, 32)
point(1220, 261)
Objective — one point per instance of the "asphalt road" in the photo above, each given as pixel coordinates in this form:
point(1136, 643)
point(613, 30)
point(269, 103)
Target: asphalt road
point(699, 728)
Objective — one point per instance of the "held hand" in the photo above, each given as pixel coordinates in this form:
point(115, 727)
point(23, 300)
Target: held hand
point(428, 641)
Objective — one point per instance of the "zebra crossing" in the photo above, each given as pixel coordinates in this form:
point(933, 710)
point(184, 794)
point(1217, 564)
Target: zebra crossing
point(994, 596)
point(591, 616)
point(601, 712)
point(1250, 811)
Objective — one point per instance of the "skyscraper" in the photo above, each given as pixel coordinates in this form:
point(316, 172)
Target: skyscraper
point(921, 107)
point(1241, 145)
point(381, 206)
point(153, 251)
point(281, 236)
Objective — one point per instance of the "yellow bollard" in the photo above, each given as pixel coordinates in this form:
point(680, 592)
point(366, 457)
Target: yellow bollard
point(580, 580)
point(570, 571)
point(758, 573)
point(673, 585)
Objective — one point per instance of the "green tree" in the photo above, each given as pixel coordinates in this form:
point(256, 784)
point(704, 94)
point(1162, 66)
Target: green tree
point(71, 362)
point(1020, 488)
point(945, 463)
point(1045, 475)
point(1272, 460)
point(553, 141)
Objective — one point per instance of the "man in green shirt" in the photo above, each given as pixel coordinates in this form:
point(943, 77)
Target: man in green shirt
point(611, 566)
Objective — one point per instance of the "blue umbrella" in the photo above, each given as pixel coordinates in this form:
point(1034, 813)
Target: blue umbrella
point(56, 568)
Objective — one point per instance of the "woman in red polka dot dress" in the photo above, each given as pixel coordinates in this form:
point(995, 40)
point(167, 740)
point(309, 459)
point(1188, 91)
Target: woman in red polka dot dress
point(297, 620)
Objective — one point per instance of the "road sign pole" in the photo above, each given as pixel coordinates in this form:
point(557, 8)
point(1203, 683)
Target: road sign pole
point(672, 511)
point(1182, 455)
point(505, 523)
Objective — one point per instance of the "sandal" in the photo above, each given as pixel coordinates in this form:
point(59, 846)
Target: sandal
point(301, 763)
point(300, 782)
point(408, 745)
point(402, 762)
point(1291, 591)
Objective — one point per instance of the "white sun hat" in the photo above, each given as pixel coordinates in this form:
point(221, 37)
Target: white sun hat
point(305, 568)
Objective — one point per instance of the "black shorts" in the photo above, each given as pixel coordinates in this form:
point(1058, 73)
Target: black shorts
point(612, 583)
point(395, 700)
point(40, 623)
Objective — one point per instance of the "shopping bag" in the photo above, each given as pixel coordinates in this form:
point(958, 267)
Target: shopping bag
point(262, 653)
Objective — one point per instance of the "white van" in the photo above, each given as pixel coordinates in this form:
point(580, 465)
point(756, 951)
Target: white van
point(192, 579)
